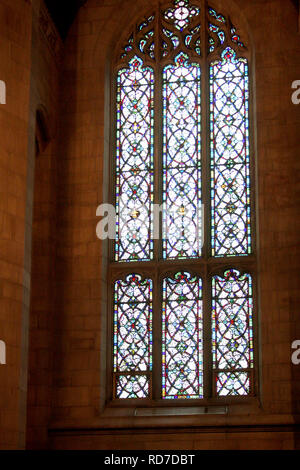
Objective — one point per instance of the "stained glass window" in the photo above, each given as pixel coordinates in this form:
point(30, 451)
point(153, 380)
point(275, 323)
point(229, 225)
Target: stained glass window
point(181, 14)
point(182, 159)
point(230, 169)
point(232, 332)
point(182, 343)
point(182, 330)
point(133, 337)
point(134, 165)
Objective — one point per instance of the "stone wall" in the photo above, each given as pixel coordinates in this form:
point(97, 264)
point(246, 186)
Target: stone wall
point(15, 59)
point(66, 348)
point(81, 313)
point(44, 100)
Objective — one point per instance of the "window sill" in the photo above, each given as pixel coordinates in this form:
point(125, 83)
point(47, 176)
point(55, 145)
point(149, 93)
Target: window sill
point(206, 423)
point(208, 415)
point(181, 411)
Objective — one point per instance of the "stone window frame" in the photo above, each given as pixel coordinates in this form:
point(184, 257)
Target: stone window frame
point(204, 267)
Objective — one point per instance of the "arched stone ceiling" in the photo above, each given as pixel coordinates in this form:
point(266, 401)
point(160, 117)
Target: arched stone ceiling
point(63, 13)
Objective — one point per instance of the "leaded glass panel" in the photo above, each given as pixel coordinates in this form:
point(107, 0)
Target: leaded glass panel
point(232, 332)
point(230, 158)
point(182, 342)
point(134, 166)
point(182, 113)
point(182, 222)
point(133, 336)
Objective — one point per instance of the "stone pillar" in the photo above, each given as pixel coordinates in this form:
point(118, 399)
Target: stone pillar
point(15, 58)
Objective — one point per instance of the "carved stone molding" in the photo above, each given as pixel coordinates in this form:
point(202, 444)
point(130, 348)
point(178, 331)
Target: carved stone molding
point(50, 32)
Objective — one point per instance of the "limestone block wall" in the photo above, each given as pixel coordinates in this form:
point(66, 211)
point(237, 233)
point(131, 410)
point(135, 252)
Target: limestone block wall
point(30, 62)
point(15, 59)
point(80, 308)
point(53, 307)
point(44, 101)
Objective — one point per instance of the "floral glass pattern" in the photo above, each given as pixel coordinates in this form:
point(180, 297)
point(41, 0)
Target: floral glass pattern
point(221, 30)
point(230, 156)
point(182, 330)
point(181, 14)
point(182, 221)
point(232, 332)
point(133, 337)
point(134, 165)
point(182, 344)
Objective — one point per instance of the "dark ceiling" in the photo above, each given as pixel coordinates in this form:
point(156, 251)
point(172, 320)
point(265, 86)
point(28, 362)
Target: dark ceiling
point(63, 13)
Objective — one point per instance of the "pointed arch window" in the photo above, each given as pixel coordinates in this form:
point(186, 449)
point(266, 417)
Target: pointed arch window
point(183, 265)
